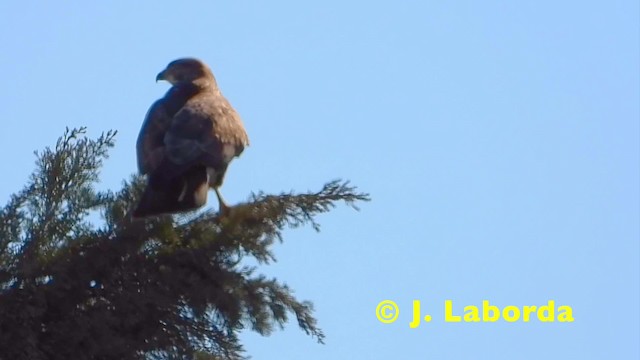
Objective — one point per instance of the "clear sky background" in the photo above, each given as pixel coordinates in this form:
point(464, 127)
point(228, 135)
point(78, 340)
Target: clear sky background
point(499, 141)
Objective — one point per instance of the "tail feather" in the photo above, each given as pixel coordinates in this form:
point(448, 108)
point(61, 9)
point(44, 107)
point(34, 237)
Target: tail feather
point(185, 193)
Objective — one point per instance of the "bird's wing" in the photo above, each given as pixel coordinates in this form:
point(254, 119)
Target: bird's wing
point(206, 131)
point(150, 146)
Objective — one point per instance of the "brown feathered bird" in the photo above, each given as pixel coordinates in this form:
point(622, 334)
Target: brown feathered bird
point(187, 141)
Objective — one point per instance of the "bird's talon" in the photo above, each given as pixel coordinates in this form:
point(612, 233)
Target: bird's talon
point(224, 211)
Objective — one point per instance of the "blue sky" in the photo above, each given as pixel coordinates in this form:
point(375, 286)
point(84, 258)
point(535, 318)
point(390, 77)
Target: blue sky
point(499, 141)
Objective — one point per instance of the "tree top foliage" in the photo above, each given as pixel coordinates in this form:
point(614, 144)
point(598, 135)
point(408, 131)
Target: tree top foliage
point(168, 287)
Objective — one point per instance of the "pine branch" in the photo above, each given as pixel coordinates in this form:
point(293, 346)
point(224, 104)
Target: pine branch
point(165, 287)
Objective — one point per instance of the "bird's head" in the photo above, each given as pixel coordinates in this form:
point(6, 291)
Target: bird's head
point(186, 70)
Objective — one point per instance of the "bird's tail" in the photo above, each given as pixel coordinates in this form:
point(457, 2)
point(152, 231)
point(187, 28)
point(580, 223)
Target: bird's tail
point(185, 193)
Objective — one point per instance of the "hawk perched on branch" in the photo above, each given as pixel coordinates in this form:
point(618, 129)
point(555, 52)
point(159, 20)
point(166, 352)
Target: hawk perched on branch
point(187, 140)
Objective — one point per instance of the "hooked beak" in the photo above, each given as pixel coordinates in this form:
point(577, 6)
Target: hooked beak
point(160, 76)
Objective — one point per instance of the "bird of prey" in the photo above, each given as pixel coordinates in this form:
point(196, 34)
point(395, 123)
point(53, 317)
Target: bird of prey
point(187, 141)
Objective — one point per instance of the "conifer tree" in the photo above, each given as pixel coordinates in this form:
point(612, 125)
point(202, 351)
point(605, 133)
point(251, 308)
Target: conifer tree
point(168, 287)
